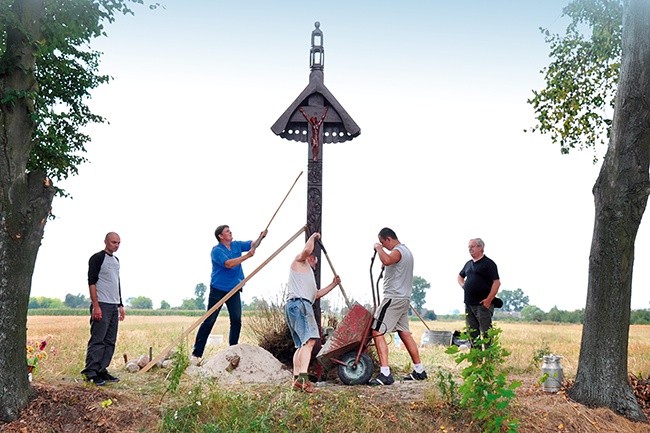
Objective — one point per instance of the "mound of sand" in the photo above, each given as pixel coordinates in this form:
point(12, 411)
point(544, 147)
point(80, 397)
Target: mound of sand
point(243, 363)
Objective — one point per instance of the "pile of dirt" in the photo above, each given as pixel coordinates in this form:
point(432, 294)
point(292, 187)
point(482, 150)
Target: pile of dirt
point(243, 363)
point(73, 408)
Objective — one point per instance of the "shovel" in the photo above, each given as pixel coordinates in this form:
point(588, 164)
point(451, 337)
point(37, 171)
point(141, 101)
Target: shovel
point(347, 301)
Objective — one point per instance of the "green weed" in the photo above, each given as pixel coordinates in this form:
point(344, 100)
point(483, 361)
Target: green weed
point(485, 393)
point(538, 355)
point(448, 388)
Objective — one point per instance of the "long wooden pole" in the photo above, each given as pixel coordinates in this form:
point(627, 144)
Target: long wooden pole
point(220, 303)
point(259, 241)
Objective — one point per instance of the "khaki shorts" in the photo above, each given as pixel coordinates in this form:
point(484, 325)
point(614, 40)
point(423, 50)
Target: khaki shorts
point(392, 315)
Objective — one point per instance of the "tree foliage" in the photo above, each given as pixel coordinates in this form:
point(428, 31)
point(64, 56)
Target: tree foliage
point(76, 301)
point(513, 300)
point(430, 315)
point(575, 107)
point(420, 286)
point(47, 71)
point(257, 304)
point(66, 72)
point(140, 303)
point(532, 313)
point(199, 291)
point(640, 317)
point(44, 302)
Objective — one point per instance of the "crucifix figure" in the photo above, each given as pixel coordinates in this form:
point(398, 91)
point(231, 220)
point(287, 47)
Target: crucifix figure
point(315, 131)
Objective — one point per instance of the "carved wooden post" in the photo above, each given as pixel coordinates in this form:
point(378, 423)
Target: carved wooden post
point(316, 117)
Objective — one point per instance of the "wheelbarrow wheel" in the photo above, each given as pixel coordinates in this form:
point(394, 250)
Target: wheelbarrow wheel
point(359, 375)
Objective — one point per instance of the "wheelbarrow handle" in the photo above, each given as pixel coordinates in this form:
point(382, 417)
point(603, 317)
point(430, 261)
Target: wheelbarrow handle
point(375, 297)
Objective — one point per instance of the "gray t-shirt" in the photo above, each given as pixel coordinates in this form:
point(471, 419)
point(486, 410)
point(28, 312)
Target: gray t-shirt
point(104, 273)
point(398, 282)
point(302, 285)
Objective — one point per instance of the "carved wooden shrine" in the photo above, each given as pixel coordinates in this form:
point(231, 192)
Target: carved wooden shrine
point(316, 117)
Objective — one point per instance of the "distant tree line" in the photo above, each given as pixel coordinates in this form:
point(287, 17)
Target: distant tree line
point(515, 306)
point(532, 313)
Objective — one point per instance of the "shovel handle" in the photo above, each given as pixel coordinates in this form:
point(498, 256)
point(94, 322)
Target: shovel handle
point(345, 296)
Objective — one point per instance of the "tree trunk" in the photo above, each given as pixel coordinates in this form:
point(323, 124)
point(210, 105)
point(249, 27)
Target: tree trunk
point(620, 195)
point(20, 239)
point(25, 202)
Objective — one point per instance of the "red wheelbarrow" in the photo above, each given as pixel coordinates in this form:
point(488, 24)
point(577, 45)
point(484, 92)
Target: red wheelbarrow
point(347, 347)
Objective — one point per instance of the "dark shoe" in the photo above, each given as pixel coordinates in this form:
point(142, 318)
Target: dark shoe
point(414, 375)
point(96, 380)
point(382, 379)
point(109, 377)
point(304, 386)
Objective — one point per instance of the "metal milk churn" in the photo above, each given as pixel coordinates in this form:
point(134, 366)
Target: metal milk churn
point(552, 370)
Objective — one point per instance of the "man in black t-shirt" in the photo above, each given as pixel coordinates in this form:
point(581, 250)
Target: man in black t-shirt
point(479, 278)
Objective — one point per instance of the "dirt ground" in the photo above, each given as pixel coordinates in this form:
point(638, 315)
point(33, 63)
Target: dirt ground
point(70, 407)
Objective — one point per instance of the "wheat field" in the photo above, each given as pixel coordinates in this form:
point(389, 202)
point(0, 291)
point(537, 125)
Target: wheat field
point(67, 337)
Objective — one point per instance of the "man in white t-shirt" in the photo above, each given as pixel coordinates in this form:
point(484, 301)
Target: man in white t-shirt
point(299, 311)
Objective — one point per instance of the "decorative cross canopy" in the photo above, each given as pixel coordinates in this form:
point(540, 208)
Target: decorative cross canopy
point(316, 116)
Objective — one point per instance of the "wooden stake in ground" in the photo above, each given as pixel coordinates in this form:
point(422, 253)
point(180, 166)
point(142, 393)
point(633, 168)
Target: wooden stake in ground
point(220, 303)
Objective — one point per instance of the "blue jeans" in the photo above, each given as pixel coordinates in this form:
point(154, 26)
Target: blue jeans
point(103, 335)
point(301, 321)
point(233, 304)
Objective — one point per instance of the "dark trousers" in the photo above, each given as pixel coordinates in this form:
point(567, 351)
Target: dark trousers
point(233, 304)
point(103, 336)
point(478, 320)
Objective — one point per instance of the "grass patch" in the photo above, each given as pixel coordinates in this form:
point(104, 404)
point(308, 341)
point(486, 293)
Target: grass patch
point(260, 409)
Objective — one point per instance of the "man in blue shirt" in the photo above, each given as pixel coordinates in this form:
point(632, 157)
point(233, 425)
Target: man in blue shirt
point(227, 257)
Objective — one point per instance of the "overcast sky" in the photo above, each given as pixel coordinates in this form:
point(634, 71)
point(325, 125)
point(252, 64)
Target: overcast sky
point(439, 90)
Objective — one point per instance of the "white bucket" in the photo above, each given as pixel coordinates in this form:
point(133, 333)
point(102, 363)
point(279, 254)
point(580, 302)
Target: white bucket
point(215, 340)
point(430, 338)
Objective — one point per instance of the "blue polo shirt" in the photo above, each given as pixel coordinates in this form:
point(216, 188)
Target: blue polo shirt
point(222, 278)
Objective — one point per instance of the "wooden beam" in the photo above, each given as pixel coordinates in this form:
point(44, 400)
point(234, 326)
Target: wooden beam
point(214, 308)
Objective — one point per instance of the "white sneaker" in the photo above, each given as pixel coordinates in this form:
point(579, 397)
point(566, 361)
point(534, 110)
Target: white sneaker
point(195, 361)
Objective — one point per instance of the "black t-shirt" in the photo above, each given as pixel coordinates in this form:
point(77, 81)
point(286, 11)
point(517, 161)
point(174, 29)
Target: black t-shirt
point(479, 277)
